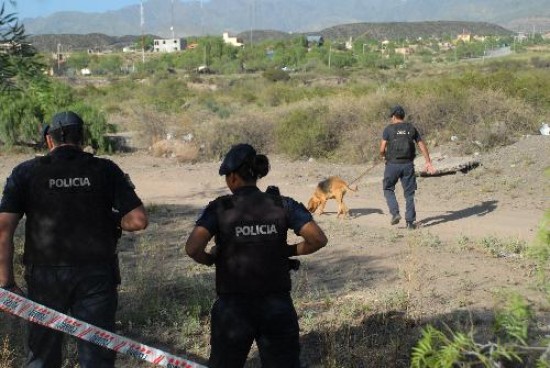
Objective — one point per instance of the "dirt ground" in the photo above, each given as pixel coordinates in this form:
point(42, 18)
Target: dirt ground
point(448, 264)
point(504, 198)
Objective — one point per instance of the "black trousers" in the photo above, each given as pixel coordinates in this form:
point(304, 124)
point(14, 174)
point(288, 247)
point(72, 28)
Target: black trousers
point(404, 173)
point(238, 320)
point(88, 293)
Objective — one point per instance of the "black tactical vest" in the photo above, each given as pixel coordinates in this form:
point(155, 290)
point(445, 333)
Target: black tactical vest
point(401, 146)
point(69, 212)
point(250, 245)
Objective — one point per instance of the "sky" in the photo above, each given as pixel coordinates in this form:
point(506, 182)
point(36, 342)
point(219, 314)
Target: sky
point(37, 8)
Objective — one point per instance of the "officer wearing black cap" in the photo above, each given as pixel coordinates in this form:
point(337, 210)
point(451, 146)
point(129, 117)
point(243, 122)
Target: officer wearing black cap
point(252, 269)
point(75, 205)
point(398, 149)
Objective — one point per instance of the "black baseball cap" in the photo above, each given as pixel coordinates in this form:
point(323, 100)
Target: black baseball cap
point(65, 119)
point(397, 110)
point(236, 157)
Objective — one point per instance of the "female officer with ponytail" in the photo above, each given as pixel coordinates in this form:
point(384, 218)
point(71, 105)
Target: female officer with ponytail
point(252, 266)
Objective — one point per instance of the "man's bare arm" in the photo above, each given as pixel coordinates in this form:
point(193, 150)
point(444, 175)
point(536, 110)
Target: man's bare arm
point(135, 220)
point(424, 149)
point(196, 244)
point(383, 145)
point(8, 224)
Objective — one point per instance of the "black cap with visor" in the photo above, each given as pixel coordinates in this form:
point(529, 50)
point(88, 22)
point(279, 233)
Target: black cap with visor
point(236, 157)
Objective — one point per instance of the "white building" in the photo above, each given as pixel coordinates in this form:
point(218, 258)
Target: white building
point(169, 45)
point(232, 40)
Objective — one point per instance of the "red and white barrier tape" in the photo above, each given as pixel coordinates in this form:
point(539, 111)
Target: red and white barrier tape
point(37, 313)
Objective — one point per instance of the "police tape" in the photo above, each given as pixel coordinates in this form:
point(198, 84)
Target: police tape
point(37, 313)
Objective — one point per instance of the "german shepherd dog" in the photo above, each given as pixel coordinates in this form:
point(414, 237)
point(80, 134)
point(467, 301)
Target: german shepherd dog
point(332, 188)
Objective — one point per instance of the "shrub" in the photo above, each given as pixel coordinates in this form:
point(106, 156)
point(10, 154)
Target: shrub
point(458, 349)
point(95, 126)
point(276, 75)
point(540, 63)
point(215, 137)
point(306, 133)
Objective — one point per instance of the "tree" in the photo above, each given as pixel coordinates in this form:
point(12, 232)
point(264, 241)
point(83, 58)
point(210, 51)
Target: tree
point(16, 54)
point(79, 60)
point(28, 97)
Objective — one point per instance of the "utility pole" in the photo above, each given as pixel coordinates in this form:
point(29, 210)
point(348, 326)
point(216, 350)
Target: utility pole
point(172, 22)
point(58, 57)
point(142, 22)
point(252, 19)
point(202, 20)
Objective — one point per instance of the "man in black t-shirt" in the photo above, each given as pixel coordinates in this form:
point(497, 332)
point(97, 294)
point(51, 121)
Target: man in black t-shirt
point(75, 206)
point(398, 149)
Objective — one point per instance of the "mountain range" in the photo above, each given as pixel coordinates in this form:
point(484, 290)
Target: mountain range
point(195, 18)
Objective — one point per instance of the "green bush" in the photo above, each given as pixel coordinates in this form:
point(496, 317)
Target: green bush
point(442, 349)
point(276, 75)
point(217, 136)
point(306, 133)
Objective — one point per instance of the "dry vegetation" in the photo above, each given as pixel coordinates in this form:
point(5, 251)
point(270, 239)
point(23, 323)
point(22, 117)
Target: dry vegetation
point(365, 299)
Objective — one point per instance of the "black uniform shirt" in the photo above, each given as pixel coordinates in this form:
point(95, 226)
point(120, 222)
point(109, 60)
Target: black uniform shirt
point(14, 195)
point(297, 214)
point(70, 199)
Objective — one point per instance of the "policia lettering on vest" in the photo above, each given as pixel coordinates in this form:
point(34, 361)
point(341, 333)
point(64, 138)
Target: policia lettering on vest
point(253, 230)
point(76, 206)
point(397, 148)
point(69, 183)
point(251, 255)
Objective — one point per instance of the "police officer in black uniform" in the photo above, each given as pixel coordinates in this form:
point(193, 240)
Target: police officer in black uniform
point(398, 149)
point(252, 264)
point(75, 206)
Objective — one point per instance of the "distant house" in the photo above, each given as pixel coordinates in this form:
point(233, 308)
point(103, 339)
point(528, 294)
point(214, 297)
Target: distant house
point(315, 40)
point(169, 44)
point(127, 49)
point(349, 44)
point(464, 37)
point(521, 36)
point(8, 47)
point(232, 40)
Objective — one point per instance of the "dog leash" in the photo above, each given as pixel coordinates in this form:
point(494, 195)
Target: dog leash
point(363, 174)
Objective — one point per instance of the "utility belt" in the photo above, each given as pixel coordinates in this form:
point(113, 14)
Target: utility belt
point(400, 161)
point(112, 265)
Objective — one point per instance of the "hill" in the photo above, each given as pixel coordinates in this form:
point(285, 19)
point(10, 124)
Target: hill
point(217, 16)
point(81, 42)
point(413, 30)
point(379, 31)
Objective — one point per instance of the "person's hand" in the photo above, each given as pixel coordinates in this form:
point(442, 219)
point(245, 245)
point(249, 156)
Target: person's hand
point(213, 251)
point(15, 289)
point(430, 169)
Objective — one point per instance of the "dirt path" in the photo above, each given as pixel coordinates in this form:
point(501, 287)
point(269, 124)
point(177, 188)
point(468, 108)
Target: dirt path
point(471, 228)
point(462, 219)
point(464, 214)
